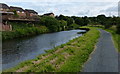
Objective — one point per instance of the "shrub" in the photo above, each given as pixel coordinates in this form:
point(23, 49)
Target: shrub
point(50, 22)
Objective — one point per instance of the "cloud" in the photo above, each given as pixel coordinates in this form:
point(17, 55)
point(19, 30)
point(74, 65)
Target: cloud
point(83, 13)
point(59, 1)
point(111, 11)
point(67, 8)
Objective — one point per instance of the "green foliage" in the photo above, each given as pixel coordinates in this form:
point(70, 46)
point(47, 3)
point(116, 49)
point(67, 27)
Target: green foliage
point(50, 22)
point(118, 26)
point(69, 21)
point(23, 32)
point(101, 19)
point(63, 24)
point(79, 21)
point(69, 59)
point(108, 23)
point(66, 18)
point(116, 36)
point(74, 26)
point(86, 20)
point(15, 13)
point(118, 29)
point(75, 63)
point(47, 68)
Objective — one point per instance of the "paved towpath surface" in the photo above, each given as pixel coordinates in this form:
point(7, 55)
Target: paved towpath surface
point(105, 56)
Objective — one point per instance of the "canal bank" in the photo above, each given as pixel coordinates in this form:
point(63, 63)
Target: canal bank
point(24, 32)
point(60, 59)
point(30, 47)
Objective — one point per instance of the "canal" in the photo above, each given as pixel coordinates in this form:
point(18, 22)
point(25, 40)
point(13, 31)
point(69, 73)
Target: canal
point(19, 50)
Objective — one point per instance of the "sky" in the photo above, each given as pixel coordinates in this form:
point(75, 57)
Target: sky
point(68, 7)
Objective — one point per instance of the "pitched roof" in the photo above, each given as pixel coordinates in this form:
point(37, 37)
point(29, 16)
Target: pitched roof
point(31, 11)
point(16, 8)
point(49, 13)
point(5, 6)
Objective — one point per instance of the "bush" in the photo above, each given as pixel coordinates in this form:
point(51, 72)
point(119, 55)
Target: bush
point(63, 24)
point(79, 21)
point(50, 22)
point(118, 29)
point(24, 32)
point(74, 26)
point(118, 25)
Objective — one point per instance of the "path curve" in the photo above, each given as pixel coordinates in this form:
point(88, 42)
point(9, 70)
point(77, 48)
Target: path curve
point(105, 56)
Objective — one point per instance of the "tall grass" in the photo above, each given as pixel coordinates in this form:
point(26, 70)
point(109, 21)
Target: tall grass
point(22, 32)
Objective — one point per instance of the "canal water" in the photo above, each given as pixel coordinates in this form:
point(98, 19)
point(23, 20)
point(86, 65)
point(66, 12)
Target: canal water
point(18, 50)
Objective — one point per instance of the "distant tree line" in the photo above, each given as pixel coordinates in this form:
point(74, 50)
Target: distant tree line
point(62, 22)
point(107, 22)
point(59, 23)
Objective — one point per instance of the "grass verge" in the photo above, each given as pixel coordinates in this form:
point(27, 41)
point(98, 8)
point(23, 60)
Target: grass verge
point(23, 32)
point(115, 36)
point(69, 57)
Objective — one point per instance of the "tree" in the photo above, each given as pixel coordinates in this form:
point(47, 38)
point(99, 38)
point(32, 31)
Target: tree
point(66, 18)
point(63, 24)
point(69, 21)
point(50, 22)
point(74, 26)
point(101, 19)
point(86, 20)
point(15, 13)
point(79, 21)
point(61, 17)
point(118, 25)
point(108, 23)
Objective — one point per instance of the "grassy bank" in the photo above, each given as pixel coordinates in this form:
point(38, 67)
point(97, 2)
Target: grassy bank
point(116, 37)
point(23, 32)
point(69, 57)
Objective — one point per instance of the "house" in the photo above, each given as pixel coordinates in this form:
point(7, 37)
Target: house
point(4, 7)
point(4, 26)
point(30, 13)
point(49, 14)
point(18, 10)
point(6, 15)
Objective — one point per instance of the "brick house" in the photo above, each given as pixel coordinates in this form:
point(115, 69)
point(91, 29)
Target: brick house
point(6, 14)
point(4, 24)
point(49, 14)
point(5, 11)
point(30, 13)
point(18, 10)
point(4, 7)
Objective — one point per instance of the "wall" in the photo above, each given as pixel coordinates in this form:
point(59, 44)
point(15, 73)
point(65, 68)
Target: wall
point(6, 27)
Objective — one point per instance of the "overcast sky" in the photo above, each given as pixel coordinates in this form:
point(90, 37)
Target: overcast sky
point(68, 7)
